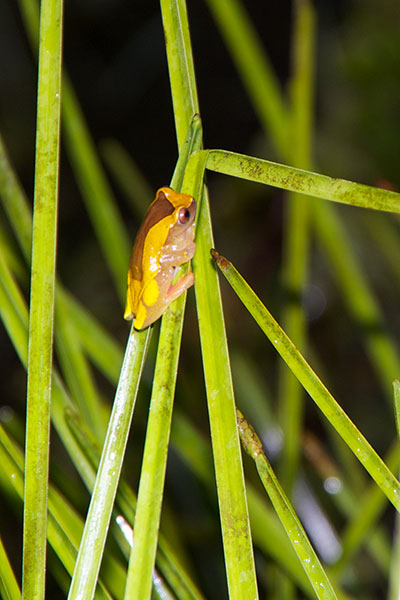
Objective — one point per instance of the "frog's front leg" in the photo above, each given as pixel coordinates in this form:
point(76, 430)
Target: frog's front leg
point(173, 256)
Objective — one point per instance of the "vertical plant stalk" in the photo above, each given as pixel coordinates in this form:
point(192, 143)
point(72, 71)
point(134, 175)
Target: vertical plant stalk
point(235, 525)
point(221, 406)
point(256, 72)
point(148, 510)
point(42, 300)
point(297, 235)
point(180, 65)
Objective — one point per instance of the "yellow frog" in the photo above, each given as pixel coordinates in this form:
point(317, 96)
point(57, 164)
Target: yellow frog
point(164, 241)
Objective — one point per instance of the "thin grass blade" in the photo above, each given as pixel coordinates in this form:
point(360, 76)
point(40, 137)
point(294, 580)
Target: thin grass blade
point(15, 203)
point(9, 588)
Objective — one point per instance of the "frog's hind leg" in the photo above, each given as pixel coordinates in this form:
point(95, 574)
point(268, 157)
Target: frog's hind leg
point(183, 284)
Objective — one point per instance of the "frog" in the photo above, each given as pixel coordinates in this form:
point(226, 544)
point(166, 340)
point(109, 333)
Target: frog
point(164, 242)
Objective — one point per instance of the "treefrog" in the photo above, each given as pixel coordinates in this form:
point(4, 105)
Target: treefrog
point(164, 241)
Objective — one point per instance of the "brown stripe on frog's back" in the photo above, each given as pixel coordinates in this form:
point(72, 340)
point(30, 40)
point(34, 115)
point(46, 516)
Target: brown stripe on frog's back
point(160, 208)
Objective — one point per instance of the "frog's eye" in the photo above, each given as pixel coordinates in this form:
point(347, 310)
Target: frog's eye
point(183, 215)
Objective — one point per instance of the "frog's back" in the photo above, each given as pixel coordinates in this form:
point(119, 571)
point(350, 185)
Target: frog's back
point(145, 258)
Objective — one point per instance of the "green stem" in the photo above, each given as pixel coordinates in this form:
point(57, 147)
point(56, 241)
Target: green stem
point(42, 300)
point(297, 236)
